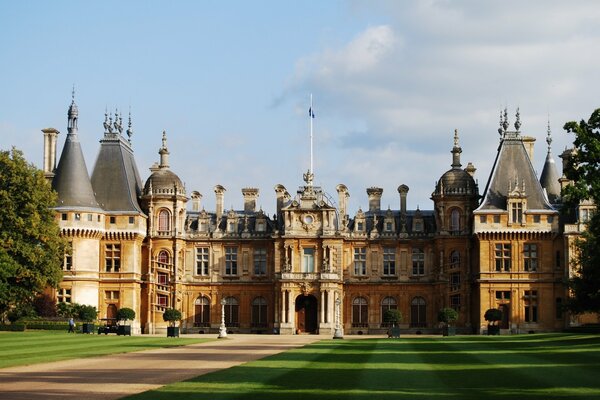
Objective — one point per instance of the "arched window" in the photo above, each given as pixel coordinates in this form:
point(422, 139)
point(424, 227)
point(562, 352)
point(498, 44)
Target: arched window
point(360, 312)
point(388, 303)
point(231, 312)
point(163, 257)
point(259, 312)
point(455, 220)
point(164, 221)
point(454, 259)
point(418, 309)
point(202, 312)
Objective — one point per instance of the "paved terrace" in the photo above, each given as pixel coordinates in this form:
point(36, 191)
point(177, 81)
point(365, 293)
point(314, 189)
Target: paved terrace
point(119, 375)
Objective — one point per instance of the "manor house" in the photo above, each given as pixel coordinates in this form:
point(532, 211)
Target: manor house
point(152, 246)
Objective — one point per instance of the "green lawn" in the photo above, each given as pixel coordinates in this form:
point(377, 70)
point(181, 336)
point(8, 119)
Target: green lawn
point(32, 347)
point(552, 366)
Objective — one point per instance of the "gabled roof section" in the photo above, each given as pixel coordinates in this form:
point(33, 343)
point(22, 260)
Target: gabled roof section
point(513, 167)
point(72, 181)
point(116, 179)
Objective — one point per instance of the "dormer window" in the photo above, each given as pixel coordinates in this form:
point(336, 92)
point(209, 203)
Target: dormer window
point(516, 213)
point(388, 227)
point(260, 226)
point(359, 226)
point(231, 226)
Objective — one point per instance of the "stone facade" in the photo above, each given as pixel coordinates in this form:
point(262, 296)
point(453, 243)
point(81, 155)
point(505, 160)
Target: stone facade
point(313, 265)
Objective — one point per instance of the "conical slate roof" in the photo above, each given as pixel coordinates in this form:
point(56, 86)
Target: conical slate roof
point(71, 181)
point(116, 179)
point(513, 167)
point(549, 179)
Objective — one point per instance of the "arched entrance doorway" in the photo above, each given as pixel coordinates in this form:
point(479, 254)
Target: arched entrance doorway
point(111, 311)
point(306, 314)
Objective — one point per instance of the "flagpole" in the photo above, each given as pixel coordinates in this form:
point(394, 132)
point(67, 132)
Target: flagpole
point(311, 134)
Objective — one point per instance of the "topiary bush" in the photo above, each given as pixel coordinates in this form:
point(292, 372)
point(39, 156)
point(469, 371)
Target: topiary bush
point(125, 314)
point(172, 315)
point(447, 315)
point(392, 317)
point(493, 315)
point(87, 313)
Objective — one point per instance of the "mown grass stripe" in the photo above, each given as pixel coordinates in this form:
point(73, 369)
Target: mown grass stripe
point(475, 367)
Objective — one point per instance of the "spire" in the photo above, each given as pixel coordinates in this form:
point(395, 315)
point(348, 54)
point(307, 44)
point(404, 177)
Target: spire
point(310, 175)
point(71, 180)
point(549, 176)
point(73, 115)
point(456, 150)
point(164, 152)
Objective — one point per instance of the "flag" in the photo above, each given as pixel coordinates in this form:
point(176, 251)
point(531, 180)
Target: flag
point(311, 113)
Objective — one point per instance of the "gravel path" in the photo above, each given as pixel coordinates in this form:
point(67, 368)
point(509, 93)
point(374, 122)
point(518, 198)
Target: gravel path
point(116, 376)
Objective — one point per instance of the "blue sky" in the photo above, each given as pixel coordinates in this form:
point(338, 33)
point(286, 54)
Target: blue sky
point(230, 82)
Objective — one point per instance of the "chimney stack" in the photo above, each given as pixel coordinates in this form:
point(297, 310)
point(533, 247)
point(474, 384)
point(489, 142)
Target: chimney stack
point(528, 142)
point(196, 200)
point(374, 194)
point(250, 196)
point(343, 196)
point(403, 190)
point(50, 136)
point(220, 193)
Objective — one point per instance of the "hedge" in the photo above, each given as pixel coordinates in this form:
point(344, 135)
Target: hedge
point(48, 326)
point(12, 327)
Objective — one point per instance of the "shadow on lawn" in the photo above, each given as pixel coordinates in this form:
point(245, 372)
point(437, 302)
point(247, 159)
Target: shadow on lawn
point(415, 370)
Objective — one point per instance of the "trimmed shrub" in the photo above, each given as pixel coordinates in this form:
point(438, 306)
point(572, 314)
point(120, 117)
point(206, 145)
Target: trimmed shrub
point(125, 314)
point(12, 327)
point(392, 316)
point(172, 315)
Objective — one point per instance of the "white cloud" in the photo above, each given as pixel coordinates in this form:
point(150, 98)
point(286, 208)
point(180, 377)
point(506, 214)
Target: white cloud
point(439, 65)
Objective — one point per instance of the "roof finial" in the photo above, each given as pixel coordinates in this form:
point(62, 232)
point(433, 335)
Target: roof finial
point(500, 131)
point(549, 137)
point(456, 150)
point(164, 139)
point(73, 94)
point(456, 138)
point(518, 120)
point(164, 152)
point(505, 122)
point(129, 130)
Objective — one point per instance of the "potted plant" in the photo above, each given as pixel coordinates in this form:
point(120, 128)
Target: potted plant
point(87, 314)
point(493, 315)
point(448, 316)
point(393, 317)
point(125, 314)
point(171, 316)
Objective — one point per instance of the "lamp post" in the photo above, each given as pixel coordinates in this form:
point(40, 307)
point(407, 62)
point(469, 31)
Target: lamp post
point(223, 328)
point(337, 334)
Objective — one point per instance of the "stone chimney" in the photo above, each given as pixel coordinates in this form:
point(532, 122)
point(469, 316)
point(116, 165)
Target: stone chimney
point(374, 194)
point(196, 201)
point(282, 195)
point(343, 196)
point(50, 136)
point(220, 193)
point(528, 142)
point(250, 196)
point(403, 190)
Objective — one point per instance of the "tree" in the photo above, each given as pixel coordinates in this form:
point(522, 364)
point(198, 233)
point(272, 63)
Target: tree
point(493, 315)
point(31, 248)
point(447, 315)
point(125, 314)
point(583, 169)
point(392, 316)
point(171, 315)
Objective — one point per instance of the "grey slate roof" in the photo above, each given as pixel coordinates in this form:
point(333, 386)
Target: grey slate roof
point(72, 181)
point(512, 165)
point(549, 179)
point(116, 179)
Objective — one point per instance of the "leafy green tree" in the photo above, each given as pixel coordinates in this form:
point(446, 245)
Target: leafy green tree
point(583, 168)
point(171, 315)
point(31, 248)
